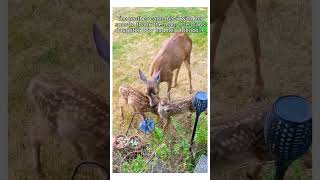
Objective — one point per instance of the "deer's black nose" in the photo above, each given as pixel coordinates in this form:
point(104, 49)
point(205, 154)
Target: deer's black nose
point(154, 108)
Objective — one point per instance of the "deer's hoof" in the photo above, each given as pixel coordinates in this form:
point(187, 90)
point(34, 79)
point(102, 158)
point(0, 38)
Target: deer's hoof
point(190, 91)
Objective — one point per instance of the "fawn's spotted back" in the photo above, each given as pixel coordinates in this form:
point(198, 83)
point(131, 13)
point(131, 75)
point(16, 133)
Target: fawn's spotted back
point(71, 111)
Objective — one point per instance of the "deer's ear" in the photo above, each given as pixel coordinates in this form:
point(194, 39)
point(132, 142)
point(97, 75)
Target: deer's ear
point(142, 77)
point(156, 76)
point(101, 44)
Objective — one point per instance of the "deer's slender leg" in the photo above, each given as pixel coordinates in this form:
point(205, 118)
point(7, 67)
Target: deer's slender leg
point(249, 10)
point(169, 84)
point(159, 120)
point(36, 145)
point(166, 124)
point(176, 77)
point(216, 36)
point(121, 111)
point(38, 135)
point(187, 63)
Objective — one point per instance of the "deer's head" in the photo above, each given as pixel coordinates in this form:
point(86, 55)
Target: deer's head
point(152, 87)
point(164, 104)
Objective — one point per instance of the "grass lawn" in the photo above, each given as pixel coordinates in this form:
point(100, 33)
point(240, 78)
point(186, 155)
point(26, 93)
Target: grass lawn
point(135, 51)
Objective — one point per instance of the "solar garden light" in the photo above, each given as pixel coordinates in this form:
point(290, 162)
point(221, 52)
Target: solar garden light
point(200, 104)
point(146, 125)
point(288, 131)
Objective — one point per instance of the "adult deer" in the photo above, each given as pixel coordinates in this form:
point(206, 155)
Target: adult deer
point(249, 10)
point(173, 52)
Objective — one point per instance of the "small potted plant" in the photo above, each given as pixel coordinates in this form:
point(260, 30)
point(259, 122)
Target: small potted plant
point(135, 143)
point(120, 141)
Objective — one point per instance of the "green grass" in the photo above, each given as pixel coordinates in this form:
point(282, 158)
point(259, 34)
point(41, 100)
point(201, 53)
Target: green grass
point(285, 31)
point(135, 51)
point(296, 171)
point(120, 43)
point(46, 38)
point(51, 57)
point(173, 153)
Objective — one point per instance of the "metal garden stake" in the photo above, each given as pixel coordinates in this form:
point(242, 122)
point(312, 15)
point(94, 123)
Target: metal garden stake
point(288, 131)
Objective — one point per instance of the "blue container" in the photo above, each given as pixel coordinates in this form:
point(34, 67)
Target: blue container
point(200, 101)
point(288, 128)
point(146, 125)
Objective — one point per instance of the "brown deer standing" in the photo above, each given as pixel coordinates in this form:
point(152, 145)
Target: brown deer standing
point(65, 108)
point(249, 10)
point(174, 51)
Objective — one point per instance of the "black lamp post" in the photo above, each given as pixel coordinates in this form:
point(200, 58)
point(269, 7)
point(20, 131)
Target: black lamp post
point(200, 104)
point(288, 131)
